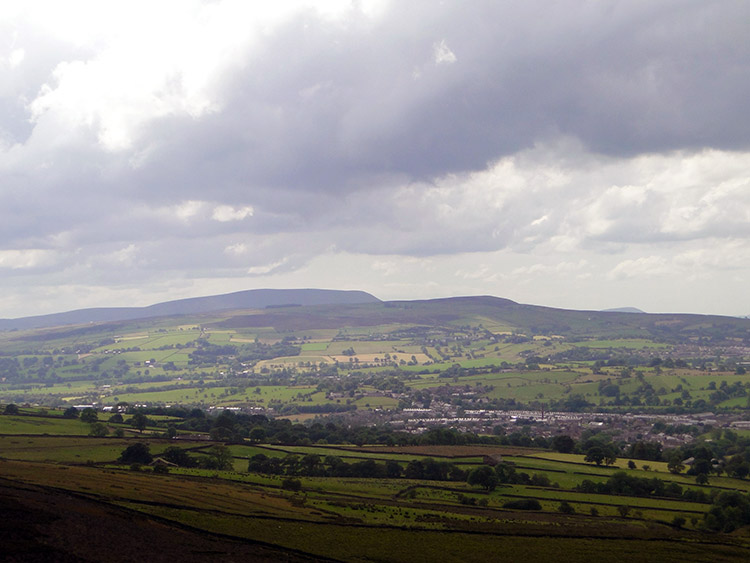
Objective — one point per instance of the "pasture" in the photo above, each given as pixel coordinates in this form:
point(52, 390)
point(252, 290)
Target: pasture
point(353, 518)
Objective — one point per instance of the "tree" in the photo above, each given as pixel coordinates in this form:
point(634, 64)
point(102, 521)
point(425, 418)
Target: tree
point(291, 484)
point(594, 454)
point(136, 453)
point(563, 444)
point(624, 510)
point(415, 470)
point(392, 469)
point(610, 457)
point(10, 408)
point(484, 476)
point(139, 421)
point(257, 434)
point(178, 456)
point(730, 510)
point(310, 464)
point(99, 430)
point(566, 508)
point(70, 412)
point(219, 457)
point(116, 418)
point(89, 415)
point(737, 467)
point(675, 465)
point(601, 454)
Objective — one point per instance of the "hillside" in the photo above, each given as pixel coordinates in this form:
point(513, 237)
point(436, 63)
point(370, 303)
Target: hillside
point(308, 309)
point(249, 299)
point(495, 313)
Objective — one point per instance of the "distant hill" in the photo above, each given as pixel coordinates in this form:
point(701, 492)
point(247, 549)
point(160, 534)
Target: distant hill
point(498, 313)
point(623, 310)
point(307, 309)
point(249, 299)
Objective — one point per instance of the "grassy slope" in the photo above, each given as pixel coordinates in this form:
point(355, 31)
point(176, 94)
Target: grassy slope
point(373, 519)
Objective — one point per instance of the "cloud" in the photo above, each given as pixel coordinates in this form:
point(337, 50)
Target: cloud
point(442, 54)
point(224, 213)
point(188, 209)
point(444, 145)
point(266, 268)
point(25, 259)
point(641, 268)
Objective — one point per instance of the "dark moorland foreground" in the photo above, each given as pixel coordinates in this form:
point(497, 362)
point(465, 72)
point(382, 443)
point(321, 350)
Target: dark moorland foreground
point(464, 429)
point(45, 524)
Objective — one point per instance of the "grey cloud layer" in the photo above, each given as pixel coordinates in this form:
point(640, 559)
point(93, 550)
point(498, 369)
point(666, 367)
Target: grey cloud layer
point(340, 107)
point(428, 130)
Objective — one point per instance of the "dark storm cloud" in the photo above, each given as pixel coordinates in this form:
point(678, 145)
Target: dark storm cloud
point(332, 107)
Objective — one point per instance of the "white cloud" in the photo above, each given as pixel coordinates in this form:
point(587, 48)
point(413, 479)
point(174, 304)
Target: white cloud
point(225, 213)
point(125, 256)
point(266, 269)
point(25, 259)
point(188, 209)
point(143, 61)
point(237, 249)
point(16, 57)
point(442, 54)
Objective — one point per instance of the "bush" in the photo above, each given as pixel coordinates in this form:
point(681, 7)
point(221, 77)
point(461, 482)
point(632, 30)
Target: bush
point(729, 511)
point(178, 456)
point(291, 484)
point(89, 415)
point(484, 476)
point(99, 430)
point(566, 508)
point(136, 453)
point(463, 499)
point(523, 504)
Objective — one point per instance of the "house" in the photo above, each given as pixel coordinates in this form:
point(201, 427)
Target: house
point(160, 461)
point(492, 460)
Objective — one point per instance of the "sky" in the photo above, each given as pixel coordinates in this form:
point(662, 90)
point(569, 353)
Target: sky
point(574, 154)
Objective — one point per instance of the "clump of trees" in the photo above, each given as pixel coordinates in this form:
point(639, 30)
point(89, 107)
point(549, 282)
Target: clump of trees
point(217, 457)
point(313, 465)
point(136, 453)
point(620, 483)
point(489, 477)
point(729, 511)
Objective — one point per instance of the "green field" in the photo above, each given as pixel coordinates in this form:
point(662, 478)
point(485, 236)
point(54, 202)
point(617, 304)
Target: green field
point(354, 518)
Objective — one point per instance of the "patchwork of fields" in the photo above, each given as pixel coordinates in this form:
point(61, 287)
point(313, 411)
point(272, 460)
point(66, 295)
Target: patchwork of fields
point(350, 437)
point(215, 361)
point(393, 519)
